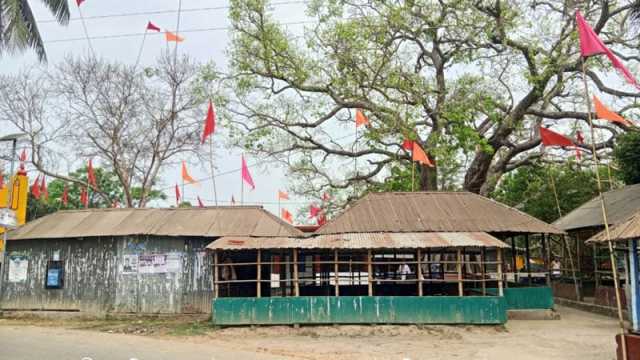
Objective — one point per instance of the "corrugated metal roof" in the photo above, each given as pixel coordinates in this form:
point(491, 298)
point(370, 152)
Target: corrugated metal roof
point(625, 230)
point(433, 211)
point(362, 241)
point(621, 204)
point(208, 222)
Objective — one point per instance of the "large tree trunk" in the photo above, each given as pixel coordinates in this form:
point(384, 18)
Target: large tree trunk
point(476, 175)
point(428, 178)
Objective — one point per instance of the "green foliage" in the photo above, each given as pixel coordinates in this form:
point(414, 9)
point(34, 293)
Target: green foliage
point(108, 184)
point(530, 189)
point(627, 157)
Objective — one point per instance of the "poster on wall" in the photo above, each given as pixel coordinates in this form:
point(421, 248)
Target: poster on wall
point(174, 262)
point(130, 264)
point(18, 266)
point(152, 264)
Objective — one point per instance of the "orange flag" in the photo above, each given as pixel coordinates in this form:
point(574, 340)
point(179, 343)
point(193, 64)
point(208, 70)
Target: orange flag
point(185, 174)
point(602, 112)
point(420, 156)
point(173, 37)
point(283, 195)
point(361, 119)
point(286, 215)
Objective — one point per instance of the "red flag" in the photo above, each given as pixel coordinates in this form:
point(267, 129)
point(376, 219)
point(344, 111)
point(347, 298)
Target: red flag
point(35, 188)
point(591, 44)
point(361, 119)
point(169, 36)
point(43, 189)
point(602, 112)
point(209, 123)
point(91, 176)
point(282, 195)
point(407, 144)
point(84, 197)
point(322, 219)
point(579, 137)
point(185, 175)
point(152, 27)
point(420, 156)
point(65, 195)
point(314, 211)
point(200, 203)
point(551, 138)
point(1, 181)
point(233, 200)
point(286, 215)
point(177, 195)
point(23, 155)
point(79, 2)
point(246, 176)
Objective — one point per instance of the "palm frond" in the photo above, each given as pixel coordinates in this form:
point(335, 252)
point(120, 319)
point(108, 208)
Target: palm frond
point(60, 9)
point(634, 13)
point(21, 29)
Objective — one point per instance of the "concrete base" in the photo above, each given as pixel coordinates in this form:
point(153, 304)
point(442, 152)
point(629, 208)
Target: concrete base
point(542, 314)
point(25, 314)
point(596, 309)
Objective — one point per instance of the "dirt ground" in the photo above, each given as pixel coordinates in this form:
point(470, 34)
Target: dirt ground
point(578, 335)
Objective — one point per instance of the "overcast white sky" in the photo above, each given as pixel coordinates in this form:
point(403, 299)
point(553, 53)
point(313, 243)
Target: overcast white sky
point(206, 45)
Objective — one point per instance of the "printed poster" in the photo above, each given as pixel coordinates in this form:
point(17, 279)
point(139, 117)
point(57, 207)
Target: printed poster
point(18, 266)
point(152, 264)
point(174, 262)
point(130, 264)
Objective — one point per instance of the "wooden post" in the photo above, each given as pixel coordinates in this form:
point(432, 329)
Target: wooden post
point(499, 266)
point(369, 273)
point(216, 286)
point(259, 274)
point(528, 257)
point(459, 268)
point(335, 271)
point(419, 272)
point(634, 269)
point(595, 265)
point(429, 263)
point(296, 283)
point(514, 263)
point(483, 267)
point(545, 259)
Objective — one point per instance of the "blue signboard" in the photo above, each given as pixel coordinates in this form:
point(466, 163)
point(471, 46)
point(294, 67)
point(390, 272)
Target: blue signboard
point(54, 278)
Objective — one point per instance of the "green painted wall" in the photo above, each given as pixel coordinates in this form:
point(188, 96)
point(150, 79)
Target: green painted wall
point(526, 298)
point(360, 309)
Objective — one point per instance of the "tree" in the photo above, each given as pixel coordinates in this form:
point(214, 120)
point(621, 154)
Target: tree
point(107, 181)
point(531, 189)
point(627, 157)
point(470, 81)
point(19, 28)
point(132, 122)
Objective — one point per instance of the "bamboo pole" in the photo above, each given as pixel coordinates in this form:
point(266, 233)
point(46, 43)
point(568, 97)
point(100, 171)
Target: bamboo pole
point(528, 258)
point(335, 271)
point(296, 282)
point(419, 272)
point(605, 219)
point(216, 286)
point(459, 268)
point(483, 267)
point(259, 274)
point(499, 256)
point(545, 258)
point(413, 176)
point(369, 273)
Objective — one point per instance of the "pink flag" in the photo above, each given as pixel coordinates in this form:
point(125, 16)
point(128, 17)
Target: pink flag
point(314, 211)
point(246, 176)
point(591, 44)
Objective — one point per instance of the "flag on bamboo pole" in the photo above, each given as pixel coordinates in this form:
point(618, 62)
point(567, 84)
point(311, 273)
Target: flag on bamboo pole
point(361, 119)
point(420, 156)
point(169, 36)
point(79, 2)
point(246, 175)
point(322, 219)
point(314, 211)
point(91, 176)
point(152, 27)
point(407, 144)
point(44, 192)
point(282, 195)
point(23, 155)
point(591, 44)
point(84, 197)
point(65, 195)
point(287, 216)
point(200, 203)
point(604, 113)
point(35, 188)
point(209, 122)
point(177, 195)
point(552, 138)
point(185, 175)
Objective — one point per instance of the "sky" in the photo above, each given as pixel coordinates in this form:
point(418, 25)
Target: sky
point(116, 27)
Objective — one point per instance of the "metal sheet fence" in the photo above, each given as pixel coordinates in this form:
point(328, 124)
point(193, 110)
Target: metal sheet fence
point(360, 310)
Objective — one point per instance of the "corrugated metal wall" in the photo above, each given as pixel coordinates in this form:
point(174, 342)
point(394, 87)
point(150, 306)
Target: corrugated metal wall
point(94, 280)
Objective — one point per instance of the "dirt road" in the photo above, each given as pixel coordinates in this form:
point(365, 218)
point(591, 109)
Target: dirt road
point(579, 336)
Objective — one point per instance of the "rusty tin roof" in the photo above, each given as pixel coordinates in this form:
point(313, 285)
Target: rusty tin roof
point(626, 230)
point(413, 240)
point(433, 211)
point(207, 222)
